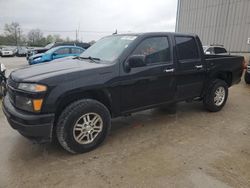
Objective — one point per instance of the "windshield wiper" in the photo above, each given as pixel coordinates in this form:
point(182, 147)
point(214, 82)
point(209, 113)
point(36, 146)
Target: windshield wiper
point(93, 59)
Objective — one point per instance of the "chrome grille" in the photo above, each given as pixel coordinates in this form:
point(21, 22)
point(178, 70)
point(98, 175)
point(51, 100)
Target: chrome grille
point(11, 85)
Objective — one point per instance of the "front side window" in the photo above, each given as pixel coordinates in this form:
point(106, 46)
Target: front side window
point(186, 48)
point(156, 50)
point(62, 51)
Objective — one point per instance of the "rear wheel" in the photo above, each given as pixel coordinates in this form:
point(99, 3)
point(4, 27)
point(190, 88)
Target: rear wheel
point(216, 96)
point(83, 126)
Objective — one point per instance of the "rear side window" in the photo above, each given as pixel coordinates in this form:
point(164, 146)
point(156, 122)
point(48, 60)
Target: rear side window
point(219, 50)
point(186, 48)
point(76, 50)
point(156, 50)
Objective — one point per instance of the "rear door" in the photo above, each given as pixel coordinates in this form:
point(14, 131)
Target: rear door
point(153, 83)
point(190, 68)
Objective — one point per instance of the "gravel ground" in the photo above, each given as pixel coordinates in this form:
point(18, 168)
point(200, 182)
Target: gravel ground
point(192, 148)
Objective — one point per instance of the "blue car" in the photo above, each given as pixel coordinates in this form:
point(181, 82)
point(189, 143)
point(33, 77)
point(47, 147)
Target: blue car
point(55, 53)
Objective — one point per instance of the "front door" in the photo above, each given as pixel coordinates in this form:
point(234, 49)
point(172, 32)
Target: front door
point(154, 83)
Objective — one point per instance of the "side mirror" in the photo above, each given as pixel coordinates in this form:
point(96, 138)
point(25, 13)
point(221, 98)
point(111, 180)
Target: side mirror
point(136, 61)
point(53, 55)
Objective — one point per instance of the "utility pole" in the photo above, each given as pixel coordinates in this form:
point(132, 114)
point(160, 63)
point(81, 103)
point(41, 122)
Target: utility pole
point(76, 35)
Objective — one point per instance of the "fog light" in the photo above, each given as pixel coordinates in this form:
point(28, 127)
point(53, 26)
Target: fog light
point(37, 104)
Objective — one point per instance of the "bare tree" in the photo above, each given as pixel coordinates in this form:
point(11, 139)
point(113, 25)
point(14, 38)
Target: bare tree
point(13, 32)
point(34, 36)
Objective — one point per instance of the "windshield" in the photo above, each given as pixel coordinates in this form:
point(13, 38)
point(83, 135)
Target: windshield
point(7, 49)
point(51, 50)
point(109, 48)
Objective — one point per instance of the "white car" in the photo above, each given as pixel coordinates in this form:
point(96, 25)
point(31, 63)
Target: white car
point(7, 52)
point(214, 50)
point(2, 79)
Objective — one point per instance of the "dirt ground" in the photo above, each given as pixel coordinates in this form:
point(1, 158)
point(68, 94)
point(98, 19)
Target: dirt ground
point(192, 148)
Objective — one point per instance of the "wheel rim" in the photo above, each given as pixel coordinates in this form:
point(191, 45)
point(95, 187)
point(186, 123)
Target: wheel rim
point(87, 128)
point(219, 96)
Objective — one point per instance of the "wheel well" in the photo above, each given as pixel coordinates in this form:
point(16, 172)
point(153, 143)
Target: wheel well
point(225, 76)
point(99, 95)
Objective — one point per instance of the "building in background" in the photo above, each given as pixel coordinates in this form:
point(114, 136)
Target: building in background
point(223, 22)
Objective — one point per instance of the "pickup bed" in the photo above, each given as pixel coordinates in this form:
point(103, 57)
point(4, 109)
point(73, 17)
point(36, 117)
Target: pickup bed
point(74, 99)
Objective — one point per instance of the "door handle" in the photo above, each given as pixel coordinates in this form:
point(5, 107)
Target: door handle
point(169, 70)
point(199, 66)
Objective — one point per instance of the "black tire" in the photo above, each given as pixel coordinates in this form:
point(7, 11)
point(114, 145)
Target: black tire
point(247, 77)
point(69, 117)
point(209, 98)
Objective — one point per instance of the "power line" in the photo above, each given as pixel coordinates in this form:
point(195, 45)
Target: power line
point(70, 31)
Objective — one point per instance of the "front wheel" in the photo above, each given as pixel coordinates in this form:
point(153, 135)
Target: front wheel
point(83, 126)
point(216, 96)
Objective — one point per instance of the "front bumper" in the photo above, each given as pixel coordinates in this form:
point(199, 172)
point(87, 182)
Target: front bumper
point(35, 127)
point(7, 55)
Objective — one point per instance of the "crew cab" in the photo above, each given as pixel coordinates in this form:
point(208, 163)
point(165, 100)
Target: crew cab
point(73, 100)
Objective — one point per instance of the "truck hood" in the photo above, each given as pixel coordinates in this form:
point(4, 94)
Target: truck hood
point(41, 72)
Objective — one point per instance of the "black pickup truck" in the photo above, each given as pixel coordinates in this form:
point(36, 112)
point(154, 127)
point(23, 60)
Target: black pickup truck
point(73, 100)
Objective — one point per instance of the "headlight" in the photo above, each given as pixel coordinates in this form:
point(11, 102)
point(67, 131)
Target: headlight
point(37, 59)
point(32, 87)
point(27, 104)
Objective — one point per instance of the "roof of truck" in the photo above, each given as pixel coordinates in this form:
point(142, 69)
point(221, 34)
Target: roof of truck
point(158, 33)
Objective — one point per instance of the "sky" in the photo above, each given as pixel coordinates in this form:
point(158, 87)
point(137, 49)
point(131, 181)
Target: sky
point(93, 18)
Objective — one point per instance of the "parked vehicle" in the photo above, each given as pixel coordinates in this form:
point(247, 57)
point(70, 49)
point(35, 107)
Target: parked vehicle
point(2, 79)
point(247, 74)
point(34, 51)
point(75, 99)
point(21, 51)
point(7, 52)
point(55, 53)
point(214, 50)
